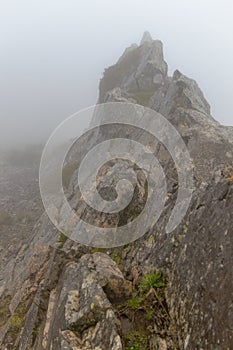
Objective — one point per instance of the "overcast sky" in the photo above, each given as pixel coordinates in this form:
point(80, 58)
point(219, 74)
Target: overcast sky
point(53, 53)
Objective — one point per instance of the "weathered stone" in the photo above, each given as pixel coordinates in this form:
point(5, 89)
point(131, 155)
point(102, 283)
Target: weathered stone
point(146, 38)
point(87, 310)
point(138, 70)
point(71, 293)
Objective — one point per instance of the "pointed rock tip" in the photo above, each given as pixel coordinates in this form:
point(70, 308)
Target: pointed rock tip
point(176, 75)
point(146, 38)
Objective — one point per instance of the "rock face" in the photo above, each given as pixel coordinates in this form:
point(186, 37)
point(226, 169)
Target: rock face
point(163, 291)
point(140, 69)
point(146, 38)
point(83, 305)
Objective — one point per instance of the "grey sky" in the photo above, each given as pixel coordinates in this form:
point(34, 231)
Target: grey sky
point(53, 53)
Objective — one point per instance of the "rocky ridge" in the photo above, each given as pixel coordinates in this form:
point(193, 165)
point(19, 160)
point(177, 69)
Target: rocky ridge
point(160, 292)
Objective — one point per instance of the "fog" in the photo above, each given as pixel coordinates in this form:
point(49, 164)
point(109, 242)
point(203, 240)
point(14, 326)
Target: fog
point(53, 54)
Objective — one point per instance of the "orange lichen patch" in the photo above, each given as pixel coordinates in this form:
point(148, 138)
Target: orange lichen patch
point(231, 178)
point(228, 174)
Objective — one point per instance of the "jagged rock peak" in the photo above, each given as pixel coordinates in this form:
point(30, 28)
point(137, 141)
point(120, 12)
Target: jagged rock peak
point(140, 68)
point(146, 38)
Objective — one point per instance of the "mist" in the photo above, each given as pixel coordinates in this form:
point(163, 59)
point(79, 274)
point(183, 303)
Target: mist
point(53, 54)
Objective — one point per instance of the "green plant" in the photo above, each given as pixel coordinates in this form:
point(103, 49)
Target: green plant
point(4, 309)
point(150, 241)
point(149, 315)
point(21, 309)
point(136, 340)
point(135, 346)
point(117, 258)
point(146, 306)
point(62, 238)
point(135, 303)
point(116, 255)
point(16, 323)
point(153, 280)
point(98, 250)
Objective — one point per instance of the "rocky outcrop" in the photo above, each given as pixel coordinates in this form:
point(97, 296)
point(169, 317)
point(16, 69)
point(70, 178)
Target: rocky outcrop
point(163, 291)
point(79, 310)
point(140, 69)
point(147, 38)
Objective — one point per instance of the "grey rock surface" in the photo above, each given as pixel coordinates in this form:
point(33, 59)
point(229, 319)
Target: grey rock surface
point(146, 38)
point(138, 70)
point(61, 295)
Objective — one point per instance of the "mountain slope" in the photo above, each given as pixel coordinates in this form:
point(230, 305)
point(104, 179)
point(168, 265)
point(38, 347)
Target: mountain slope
point(163, 291)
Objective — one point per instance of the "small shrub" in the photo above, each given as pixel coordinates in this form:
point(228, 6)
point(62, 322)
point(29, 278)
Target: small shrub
point(16, 323)
point(149, 315)
point(98, 250)
point(135, 303)
point(21, 309)
point(4, 309)
point(136, 340)
point(136, 346)
point(148, 304)
point(153, 280)
point(116, 255)
point(62, 238)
